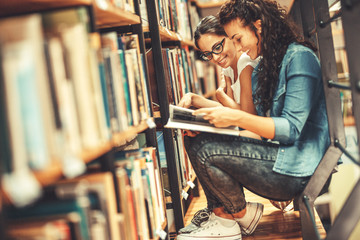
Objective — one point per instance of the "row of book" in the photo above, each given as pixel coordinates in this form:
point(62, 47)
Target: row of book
point(179, 16)
point(183, 73)
point(64, 90)
point(123, 203)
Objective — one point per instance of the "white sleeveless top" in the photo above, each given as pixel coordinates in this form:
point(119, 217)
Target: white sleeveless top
point(243, 61)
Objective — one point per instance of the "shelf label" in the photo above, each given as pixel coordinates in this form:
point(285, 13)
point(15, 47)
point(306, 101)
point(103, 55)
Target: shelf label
point(150, 123)
point(102, 4)
point(191, 184)
point(22, 187)
point(161, 233)
point(73, 166)
point(184, 194)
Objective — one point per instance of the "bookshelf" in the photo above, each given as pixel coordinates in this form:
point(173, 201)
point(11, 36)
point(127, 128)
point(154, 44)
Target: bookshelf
point(166, 42)
point(96, 156)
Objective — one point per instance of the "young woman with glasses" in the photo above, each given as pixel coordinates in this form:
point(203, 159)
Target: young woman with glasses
point(291, 120)
point(211, 39)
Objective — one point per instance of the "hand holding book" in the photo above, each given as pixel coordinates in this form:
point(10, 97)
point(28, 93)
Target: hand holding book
point(186, 119)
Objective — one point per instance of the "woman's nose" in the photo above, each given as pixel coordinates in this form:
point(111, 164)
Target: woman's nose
point(216, 57)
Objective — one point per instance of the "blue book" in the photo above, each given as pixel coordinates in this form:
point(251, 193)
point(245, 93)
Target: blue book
point(104, 93)
point(126, 87)
point(111, 93)
point(26, 85)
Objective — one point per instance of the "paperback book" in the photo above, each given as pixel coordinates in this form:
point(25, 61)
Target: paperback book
point(183, 118)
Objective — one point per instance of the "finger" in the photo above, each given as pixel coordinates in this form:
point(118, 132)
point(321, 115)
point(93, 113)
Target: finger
point(201, 111)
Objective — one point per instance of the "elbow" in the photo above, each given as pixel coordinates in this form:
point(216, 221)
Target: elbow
point(285, 132)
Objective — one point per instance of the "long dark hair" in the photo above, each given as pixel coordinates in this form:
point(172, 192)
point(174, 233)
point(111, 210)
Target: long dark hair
point(209, 24)
point(277, 32)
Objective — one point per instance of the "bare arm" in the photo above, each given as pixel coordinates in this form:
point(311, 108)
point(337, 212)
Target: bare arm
point(224, 117)
point(197, 101)
point(224, 94)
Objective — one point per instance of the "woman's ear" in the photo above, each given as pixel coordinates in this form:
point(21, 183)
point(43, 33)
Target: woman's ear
point(257, 24)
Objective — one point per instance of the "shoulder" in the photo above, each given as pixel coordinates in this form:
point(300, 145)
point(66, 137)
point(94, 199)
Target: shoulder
point(300, 59)
point(299, 51)
point(245, 60)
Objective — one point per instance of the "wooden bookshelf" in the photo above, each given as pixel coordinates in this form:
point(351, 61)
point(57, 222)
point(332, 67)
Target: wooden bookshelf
point(122, 137)
point(209, 4)
point(114, 17)
point(54, 171)
point(166, 36)
point(15, 7)
point(106, 15)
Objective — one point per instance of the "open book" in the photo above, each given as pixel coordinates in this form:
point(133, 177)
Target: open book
point(184, 119)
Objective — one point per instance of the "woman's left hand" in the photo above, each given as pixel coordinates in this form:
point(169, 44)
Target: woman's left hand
point(220, 116)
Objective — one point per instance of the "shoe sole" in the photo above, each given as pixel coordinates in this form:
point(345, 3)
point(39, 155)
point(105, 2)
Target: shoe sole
point(234, 237)
point(255, 222)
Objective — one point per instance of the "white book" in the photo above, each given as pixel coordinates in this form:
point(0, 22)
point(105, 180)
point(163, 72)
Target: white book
point(76, 44)
point(65, 97)
point(183, 118)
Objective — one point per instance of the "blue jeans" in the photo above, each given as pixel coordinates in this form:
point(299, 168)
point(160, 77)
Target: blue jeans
point(226, 164)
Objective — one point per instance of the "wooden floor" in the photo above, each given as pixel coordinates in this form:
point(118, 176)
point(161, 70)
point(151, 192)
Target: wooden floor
point(274, 225)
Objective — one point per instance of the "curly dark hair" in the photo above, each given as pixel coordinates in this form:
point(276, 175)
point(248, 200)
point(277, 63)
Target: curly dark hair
point(277, 32)
point(209, 24)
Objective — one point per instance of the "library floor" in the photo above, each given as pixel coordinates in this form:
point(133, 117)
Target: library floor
point(274, 224)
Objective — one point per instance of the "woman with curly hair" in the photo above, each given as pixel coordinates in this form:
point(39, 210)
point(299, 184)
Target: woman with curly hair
point(292, 122)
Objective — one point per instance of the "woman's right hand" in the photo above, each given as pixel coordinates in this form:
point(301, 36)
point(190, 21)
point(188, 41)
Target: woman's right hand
point(186, 101)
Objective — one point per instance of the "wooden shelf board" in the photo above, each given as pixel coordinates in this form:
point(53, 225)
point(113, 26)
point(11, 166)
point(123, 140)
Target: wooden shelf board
point(112, 17)
point(167, 35)
point(55, 171)
point(210, 4)
point(14, 7)
point(122, 137)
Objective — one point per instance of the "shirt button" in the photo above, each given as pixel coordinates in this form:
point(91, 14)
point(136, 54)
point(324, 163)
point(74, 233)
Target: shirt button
point(282, 150)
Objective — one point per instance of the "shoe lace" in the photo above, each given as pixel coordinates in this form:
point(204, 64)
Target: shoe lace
point(201, 216)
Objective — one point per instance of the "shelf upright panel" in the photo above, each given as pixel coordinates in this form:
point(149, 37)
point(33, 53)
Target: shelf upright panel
point(349, 216)
point(164, 111)
point(313, 14)
point(151, 139)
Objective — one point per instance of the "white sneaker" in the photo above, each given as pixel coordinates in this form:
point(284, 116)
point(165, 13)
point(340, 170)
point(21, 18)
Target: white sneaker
point(250, 220)
point(215, 228)
point(199, 217)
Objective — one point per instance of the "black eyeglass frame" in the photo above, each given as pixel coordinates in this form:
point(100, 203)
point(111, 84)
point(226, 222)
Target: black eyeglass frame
point(204, 56)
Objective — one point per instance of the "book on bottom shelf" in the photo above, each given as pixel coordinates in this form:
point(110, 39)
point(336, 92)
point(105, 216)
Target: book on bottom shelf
point(183, 118)
point(145, 189)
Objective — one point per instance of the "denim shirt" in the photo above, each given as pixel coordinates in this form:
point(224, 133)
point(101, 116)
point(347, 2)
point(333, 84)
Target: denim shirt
point(299, 113)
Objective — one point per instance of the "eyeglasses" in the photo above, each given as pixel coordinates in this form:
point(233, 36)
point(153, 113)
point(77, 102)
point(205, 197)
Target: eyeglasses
point(217, 49)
